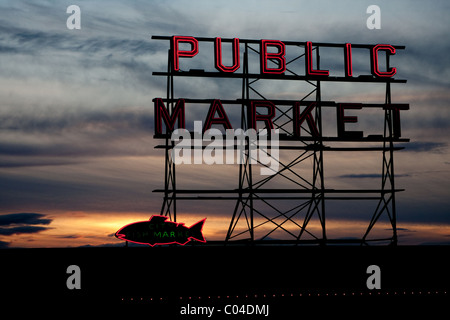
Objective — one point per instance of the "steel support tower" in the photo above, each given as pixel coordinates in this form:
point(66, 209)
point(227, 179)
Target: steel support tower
point(293, 209)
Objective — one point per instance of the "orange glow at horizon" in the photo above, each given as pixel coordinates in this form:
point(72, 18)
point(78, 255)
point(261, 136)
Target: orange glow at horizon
point(74, 229)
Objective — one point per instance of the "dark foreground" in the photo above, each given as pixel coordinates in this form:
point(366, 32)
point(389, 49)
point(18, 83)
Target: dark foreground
point(238, 282)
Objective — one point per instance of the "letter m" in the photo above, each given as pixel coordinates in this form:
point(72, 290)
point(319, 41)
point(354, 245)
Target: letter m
point(161, 113)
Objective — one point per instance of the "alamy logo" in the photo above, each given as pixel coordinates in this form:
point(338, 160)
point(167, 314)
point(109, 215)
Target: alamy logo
point(74, 280)
point(374, 280)
point(74, 20)
point(374, 20)
point(260, 146)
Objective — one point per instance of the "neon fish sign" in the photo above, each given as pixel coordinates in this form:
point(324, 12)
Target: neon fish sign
point(158, 231)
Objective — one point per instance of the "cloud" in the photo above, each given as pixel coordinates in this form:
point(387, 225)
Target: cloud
point(94, 133)
point(20, 223)
point(358, 176)
point(368, 175)
point(403, 230)
point(20, 230)
point(69, 236)
point(425, 146)
point(23, 218)
point(71, 99)
point(17, 163)
point(135, 119)
point(4, 244)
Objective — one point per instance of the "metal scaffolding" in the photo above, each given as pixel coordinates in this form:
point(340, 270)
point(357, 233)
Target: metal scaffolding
point(295, 214)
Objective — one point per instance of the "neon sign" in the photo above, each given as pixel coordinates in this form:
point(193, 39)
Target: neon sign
point(273, 65)
point(218, 56)
point(279, 57)
point(246, 124)
point(158, 231)
point(217, 115)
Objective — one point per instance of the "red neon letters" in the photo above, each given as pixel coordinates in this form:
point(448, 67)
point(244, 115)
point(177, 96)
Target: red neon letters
point(342, 120)
point(374, 60)
point(396, 117)
point(218, 116)
point(348, 60)
point(267, 118)
point(216, 107)
point(309, 63)
point(177, 53)
point(278, 57)
point(218, 56)
point(274, 63)
point(305, 115)
point(162, 113)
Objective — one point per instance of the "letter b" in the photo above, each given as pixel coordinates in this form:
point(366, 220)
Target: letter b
point(373, 281)
point(73, 281)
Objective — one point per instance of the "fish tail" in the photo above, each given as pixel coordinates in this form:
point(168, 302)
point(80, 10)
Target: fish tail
point(196, 231)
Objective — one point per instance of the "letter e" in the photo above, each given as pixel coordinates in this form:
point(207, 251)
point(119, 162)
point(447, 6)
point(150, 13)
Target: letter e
point(73, 281)
point(373, 281)
point(73, 21)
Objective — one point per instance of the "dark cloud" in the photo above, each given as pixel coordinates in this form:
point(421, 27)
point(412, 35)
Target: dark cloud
point(425, 146)
point(357, 176)
point(16, 163)
point(20, 223)
point(23, 218)
point(33, 42)
point(368, 175)
point(70, 236)
point(4, 244)
point(94, 190)
point(20, 230)
point(123, 120)
point(403, 229)
point(97, 134)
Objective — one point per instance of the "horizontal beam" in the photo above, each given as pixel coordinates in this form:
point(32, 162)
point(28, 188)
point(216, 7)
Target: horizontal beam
point(312, 147)
point(286, 42)
point(271, 198)
point(286, 242)
point(284, 137)
point(300, 191)
point(210, 74)
point(322, 103)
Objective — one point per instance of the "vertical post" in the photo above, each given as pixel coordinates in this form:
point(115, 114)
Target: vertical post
point(174, 187)
point(169, 203)
point(387, 197)
point(248, 160)
point(391, 173)
point(319, 144)
point(244, 169)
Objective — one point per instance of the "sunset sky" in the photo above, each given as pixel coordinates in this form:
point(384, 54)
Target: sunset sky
point(77, 157)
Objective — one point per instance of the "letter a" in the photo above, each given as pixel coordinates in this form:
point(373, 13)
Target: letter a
point(374, 21)
point(74, 21)
point(74, 281)
point(374, 281)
